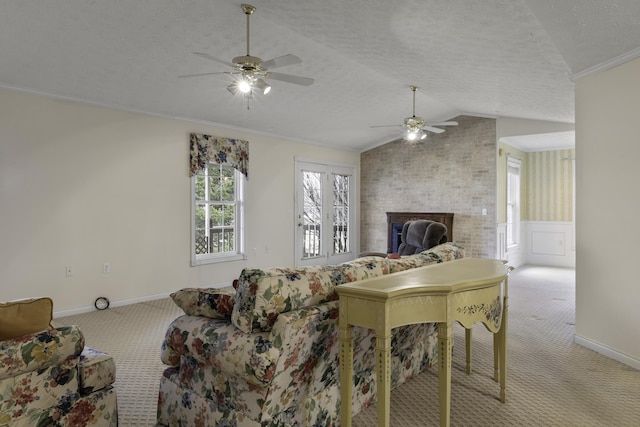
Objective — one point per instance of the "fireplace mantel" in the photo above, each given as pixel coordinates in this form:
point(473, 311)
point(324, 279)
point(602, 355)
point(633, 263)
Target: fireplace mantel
point(395, 221)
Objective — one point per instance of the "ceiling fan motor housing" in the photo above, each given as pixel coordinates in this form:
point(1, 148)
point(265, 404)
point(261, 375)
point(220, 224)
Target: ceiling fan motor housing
point(248, 63)
point(414, 122)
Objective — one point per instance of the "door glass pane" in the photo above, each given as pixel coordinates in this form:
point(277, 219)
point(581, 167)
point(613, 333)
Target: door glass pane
point(340, 213)
point(312, 214)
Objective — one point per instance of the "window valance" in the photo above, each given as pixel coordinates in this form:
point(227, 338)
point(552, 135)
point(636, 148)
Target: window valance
point(223, 151)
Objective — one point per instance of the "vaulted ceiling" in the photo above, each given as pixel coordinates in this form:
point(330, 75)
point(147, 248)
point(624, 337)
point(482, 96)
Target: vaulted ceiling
point(513, 58)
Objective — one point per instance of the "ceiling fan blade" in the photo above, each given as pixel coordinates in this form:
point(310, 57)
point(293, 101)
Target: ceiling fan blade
point(213, 58)
point(443, 124)
point(304, 81)
point(432, 129)
point(281, 61)
point(202, 74)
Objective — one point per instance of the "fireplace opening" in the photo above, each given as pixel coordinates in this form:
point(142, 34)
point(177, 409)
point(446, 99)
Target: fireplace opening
point(397, 236)
point(396, 220)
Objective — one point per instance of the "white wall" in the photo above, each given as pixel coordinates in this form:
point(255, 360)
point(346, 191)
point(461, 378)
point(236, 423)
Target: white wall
point(82, 185)
point(510, 126)
point(607, 206)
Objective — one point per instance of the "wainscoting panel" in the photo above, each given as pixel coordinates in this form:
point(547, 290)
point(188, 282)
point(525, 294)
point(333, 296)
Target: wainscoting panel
point(550, 243)
point(546, 243)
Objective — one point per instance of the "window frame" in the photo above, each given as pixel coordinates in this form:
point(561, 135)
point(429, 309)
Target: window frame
point(513, 200)
point(239, 226)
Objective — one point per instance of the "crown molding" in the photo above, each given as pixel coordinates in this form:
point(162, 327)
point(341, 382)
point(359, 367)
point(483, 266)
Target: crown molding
point(613, 62)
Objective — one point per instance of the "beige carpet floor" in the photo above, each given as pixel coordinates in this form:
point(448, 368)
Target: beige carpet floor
point(551, 381)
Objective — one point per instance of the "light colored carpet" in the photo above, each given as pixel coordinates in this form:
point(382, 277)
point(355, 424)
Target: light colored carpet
point(551, 381)
point(132, 335)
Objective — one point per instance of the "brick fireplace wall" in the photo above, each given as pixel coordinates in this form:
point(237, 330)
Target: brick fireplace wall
point(450, 172)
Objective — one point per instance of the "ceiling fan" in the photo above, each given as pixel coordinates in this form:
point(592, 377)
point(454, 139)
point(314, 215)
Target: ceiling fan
point(415, 127)
point(251, 70)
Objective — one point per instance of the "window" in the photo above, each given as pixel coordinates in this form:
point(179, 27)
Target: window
point(218, 213)
point(513, 201)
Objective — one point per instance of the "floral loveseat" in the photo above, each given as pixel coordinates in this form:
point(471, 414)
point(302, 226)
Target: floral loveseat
point(49, 378)
point(266, 354)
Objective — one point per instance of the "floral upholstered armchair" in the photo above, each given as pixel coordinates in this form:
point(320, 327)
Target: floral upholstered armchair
point(48, 377)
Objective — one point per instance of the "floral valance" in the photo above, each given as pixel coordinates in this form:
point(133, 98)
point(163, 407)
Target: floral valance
point(223, 151)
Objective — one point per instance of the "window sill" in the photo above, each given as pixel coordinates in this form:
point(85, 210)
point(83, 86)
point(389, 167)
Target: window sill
point(218, 259)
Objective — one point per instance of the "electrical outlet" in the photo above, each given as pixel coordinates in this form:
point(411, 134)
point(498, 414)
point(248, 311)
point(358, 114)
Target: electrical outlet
point(68, 271)
point(106, 268)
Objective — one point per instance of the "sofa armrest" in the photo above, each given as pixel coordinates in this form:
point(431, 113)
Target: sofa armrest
point(97, 370)
point(222, 346)
point(307, 340)
point(39, 350)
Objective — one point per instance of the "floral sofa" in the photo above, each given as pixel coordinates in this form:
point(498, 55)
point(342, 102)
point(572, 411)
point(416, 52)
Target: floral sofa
point(266, 353)
point(49, 378)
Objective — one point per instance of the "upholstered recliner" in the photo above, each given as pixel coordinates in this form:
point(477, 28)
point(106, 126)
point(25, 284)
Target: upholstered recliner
point(420, 235)
point(48, 377)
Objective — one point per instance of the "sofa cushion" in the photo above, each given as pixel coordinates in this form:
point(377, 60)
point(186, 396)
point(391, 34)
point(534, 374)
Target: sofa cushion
point(215, 303)
point(26, 316)
point(365, 268)
point(262, 294)
point(443, 253)
point(37, 351)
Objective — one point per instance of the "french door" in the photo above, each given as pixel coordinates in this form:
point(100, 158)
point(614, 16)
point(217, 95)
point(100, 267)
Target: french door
point(325, 200)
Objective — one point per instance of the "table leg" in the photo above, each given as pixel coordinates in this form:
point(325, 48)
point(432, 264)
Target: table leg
point(346, 373)
point(496, 356)
point(467, 343)
point(383, 359)
point(444, 371)
point(503, 351)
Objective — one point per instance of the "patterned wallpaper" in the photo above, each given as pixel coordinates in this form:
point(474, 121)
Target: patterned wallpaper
point(550, 185)
point(547, 184)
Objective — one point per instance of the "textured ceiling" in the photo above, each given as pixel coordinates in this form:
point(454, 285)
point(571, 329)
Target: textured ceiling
point(512, 58)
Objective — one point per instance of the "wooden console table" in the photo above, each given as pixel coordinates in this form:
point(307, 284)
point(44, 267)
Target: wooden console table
point(467, 290)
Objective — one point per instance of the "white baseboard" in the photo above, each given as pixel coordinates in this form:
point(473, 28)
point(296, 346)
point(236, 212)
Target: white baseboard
point(607, 351)
point(120, 303)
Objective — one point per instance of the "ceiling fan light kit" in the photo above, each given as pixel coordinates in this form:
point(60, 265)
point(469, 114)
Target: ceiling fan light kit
point(264, 87)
